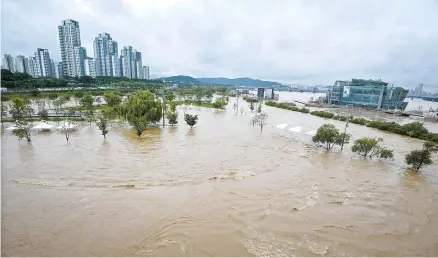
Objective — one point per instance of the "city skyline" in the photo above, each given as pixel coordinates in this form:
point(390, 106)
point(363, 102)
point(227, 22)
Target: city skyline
point(288, 42)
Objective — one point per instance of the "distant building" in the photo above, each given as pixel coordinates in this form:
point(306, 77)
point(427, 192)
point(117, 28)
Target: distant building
point(90, 67)
point(145, 73)
point(58, 69)
point(367, 93)
point(105, 55)
point(43, 64)
point(266, 93)
point(69, 38)
point(418, 90)
point(21, 64)
point(80, 54)
point(8, 63)
point(130, 63)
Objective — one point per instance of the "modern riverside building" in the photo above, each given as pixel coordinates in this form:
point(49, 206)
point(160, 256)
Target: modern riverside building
point(145, 72)
point(374, 94)
point(69, 38)
point(106, 55)
point(43, 64)
point(22, 64)
point(8, 63)
point(130, 63)
point(80, 54)
point(90, 67)
point(58, 69)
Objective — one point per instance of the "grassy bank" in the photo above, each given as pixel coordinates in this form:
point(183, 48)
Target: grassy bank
point(414, 129)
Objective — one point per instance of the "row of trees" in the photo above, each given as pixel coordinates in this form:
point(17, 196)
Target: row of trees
point(414, 129)
point(328, 136)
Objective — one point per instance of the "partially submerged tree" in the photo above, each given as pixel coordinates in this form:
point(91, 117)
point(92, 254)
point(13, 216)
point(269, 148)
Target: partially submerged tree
point(172, 116)
point(102, 123)
point(29, 110)
point(18, 108)
point(191, 119)
point(370, 147)
point(87, 104)
point(328, 136)
point(219, 103)
point(254, 120)
point(22, 130)
point(112, 99)
point(140, 109)
point(262, 120)
point(419, 158)
point(43, 114)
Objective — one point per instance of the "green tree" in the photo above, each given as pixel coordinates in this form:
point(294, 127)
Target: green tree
point(53, 96)
point(79, 94)
point(140, 109)
point(191, 120)
point(415, 129)
point(43, 114)
point(219, 103)
point(251, 106)
point(170, 96)
point(419, 158)
point(112, 99)
point(87, 104)
point(370, 147)
point(262, 120)
point(102, 123)
point(29, 110)
point(328, 136)
point(18, 108)
point(172, 116)
point(23, 130)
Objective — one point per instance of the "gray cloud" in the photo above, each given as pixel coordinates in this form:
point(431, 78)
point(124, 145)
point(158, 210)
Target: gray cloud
point(289, 41)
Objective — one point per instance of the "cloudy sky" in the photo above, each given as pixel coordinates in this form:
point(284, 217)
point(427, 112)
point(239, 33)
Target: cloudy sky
point(290, 41)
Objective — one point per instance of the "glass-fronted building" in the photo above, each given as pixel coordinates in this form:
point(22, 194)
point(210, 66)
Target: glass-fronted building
point(374, 94)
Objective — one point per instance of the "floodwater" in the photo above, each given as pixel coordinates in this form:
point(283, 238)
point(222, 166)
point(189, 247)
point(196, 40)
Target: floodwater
point(222, 188)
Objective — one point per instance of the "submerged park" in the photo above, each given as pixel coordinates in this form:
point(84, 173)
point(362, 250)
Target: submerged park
point(222, 177)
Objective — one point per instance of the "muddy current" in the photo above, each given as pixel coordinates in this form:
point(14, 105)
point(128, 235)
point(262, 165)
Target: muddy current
point(222, 188)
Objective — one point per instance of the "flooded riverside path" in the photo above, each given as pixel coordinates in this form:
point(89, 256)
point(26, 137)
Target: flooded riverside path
point(222, 188)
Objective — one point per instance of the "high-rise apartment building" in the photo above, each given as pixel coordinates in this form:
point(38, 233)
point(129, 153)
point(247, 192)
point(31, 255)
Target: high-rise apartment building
point(43, 63)
point(90, 67)
point(80, 54)
point(8, 63)
point(137, 64)
point(69, 38)
point(145, 73)
point(21, 64)
point(33, 67)
point(106, 55)
point(58, 69)
point(130, 63)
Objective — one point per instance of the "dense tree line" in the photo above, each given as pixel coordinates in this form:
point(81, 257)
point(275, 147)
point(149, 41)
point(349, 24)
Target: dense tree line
point(25, 81)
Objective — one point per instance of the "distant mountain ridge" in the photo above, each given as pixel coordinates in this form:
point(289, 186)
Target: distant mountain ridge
point(181, 79)
point(221, 81)
point(239, 82)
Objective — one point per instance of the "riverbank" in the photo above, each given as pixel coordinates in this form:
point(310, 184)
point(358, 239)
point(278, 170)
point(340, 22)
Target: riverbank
point(414, 129)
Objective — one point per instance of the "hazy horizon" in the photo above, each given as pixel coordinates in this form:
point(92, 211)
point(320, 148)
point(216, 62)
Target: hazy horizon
point(291, 42)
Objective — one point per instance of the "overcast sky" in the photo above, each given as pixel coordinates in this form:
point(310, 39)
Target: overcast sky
point(290, 41)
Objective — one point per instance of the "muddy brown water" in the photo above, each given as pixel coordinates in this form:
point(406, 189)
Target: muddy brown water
point(222, 188)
